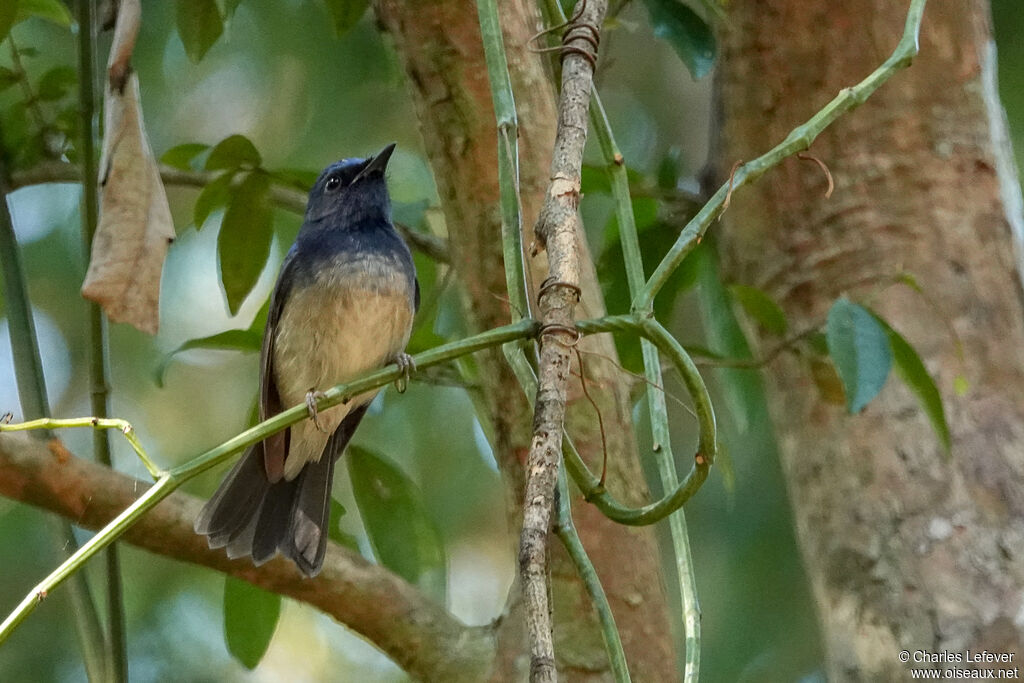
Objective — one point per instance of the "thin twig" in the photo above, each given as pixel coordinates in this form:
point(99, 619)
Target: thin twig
point(600, 419)
point(172, 479)
point(99, 383)
point(799, 139)
point(558, 231)
point(567, 533)
point(28, 373)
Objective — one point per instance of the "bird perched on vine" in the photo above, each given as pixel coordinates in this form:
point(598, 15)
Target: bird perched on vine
point(343, 305)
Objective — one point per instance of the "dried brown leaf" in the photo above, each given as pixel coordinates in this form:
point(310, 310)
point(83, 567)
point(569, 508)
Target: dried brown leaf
point(135, 221)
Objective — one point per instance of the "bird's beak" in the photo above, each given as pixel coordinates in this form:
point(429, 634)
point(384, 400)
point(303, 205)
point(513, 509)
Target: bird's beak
point(377, 164)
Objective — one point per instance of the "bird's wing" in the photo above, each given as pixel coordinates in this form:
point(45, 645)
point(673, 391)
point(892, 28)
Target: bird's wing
point(416, 295)
point(275, 448)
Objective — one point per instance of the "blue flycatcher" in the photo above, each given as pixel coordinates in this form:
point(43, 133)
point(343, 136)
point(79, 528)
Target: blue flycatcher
point(343, 305)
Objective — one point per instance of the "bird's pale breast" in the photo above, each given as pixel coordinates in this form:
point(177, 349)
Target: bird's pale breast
point(354, 317)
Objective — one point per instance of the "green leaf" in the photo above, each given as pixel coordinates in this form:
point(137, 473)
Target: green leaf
point(52, 10)
point(686, 32)
point(232, 340)
point(912, 371)
point(250, 618)
point(761, 308)
point(243, 244)
point(8, 14)
point(7, 77)
point(215, 195)
point(56, 83)
point(233, 152)
point(960, 385)
point(298, 178)
point(402, 535)
point(199, 26)
point(860, 350)
point(181, 156)
point(334, 531)
point(345, 14)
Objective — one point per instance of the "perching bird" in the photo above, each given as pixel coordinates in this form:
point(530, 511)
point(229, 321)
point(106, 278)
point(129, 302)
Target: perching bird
point(343, 305)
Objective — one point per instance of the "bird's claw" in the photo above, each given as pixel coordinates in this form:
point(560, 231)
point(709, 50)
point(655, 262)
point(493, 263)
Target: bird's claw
point(407, 365)
point(311, 398)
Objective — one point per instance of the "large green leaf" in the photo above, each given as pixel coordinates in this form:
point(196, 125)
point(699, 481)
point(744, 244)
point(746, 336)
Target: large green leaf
point(51, 10)
point(687, 33)
point(761, 308)
point(243, 244)
point(234, 151)
point(345, 13)
point(215, 195)
point(402, 535)
point(231, 340)
point(250, 617)
point(199, 25)
point(182, 156)
point(859, 347)
point(914, 374)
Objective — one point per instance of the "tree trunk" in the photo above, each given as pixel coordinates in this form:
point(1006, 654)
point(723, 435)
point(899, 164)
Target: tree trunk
point(440, 46)
point(906, 550)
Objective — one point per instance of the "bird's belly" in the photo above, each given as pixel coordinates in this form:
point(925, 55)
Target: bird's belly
point(331, 335)
point(324, 340)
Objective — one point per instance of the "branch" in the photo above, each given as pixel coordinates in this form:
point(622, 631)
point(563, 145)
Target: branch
point(799, 139)
point(99, 385)
point(28, 371)
point(419, 635)
point(287, 198)
point(174, 478)
point(557, 229)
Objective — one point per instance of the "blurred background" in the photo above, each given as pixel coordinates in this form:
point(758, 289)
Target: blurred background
point(305, 98)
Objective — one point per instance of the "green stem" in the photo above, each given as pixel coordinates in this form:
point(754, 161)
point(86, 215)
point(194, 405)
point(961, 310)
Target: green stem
point(117, 658)
point(566, 531)
point(799, 139)
point(99, 423)
point(172, 479)
point(616, 168)
point(28, 371)
point(508, 158)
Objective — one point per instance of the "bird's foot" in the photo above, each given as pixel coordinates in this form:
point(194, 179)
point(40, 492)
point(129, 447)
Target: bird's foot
point(311, 398)
point(407, 365)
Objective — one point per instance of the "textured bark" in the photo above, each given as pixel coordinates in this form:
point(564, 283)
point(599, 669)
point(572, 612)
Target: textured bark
point(906, 550)
point(439, 45)
point(558, 228)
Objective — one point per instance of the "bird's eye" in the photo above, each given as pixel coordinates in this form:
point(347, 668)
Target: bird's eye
point(333, 183)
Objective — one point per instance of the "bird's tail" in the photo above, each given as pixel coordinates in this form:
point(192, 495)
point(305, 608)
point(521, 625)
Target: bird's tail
point(251, 517)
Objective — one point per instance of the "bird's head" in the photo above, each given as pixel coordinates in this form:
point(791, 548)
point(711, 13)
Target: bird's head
point(352, 190)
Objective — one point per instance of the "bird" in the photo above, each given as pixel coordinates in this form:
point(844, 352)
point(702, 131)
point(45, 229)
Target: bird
point(343, 305)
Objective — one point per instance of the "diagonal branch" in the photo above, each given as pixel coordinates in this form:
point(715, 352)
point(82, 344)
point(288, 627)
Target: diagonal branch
point(422, 637)
point(557, 229)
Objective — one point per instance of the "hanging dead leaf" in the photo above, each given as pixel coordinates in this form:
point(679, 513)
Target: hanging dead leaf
point(135, 221)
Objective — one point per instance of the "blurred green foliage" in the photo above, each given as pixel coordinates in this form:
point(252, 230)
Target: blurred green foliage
point(241, 88)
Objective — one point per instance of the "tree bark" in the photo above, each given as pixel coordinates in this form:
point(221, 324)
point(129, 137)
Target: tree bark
point(906, 550)
point(439, 44)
